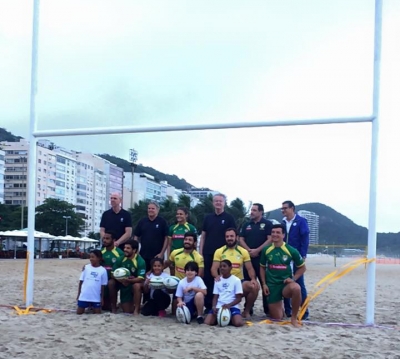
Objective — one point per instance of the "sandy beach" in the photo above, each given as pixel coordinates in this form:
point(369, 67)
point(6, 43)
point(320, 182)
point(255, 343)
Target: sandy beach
point(65, 335)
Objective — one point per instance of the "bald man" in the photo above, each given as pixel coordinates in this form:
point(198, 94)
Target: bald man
point(118, 220)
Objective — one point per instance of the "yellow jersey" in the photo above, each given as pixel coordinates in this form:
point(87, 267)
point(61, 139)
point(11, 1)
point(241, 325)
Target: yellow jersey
point(179, 258)
point(236, 255)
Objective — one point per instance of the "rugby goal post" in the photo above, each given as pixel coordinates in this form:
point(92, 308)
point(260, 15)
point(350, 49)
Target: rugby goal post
point(35, 134)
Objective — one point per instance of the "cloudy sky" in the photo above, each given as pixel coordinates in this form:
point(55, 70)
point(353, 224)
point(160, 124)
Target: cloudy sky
point(114, 63)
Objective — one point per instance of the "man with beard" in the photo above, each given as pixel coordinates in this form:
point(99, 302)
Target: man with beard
point(180, 257)
point(152, 233)
point(254, 236)
point(240, 258)
point(110, 254)
point(130, 288)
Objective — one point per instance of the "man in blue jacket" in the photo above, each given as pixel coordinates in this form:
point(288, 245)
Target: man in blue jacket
point(298, 237)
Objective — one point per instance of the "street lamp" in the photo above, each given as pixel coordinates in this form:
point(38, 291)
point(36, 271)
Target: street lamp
point(66, 224)
point(133, 155)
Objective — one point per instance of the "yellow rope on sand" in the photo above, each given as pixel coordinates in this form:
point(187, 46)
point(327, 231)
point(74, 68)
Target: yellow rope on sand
point(30, 310)
point(320, 287)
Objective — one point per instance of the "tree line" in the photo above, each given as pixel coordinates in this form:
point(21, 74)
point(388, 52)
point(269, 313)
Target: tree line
point(50, 215)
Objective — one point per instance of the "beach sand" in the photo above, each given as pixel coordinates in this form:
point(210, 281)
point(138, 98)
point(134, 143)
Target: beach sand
point(66, 335)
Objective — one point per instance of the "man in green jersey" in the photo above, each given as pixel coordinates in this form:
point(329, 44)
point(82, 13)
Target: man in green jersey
point(110, 255)
point(130, 288)
point(277, 278)
point(176, 232)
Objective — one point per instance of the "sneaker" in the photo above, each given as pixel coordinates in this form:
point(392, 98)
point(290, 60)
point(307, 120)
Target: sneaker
point(200, 320)
point(162, 313)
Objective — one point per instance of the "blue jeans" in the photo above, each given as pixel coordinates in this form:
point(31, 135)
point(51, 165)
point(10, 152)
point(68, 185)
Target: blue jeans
point(286, 301)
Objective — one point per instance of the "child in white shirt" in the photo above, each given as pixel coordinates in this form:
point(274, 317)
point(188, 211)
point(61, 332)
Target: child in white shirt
point(191, 291)
point(228, 294)
point(92, 282)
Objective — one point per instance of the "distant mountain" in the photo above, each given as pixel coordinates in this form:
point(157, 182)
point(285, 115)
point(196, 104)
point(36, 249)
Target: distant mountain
point(335, 228)
point(8, 136)
point(173, 180)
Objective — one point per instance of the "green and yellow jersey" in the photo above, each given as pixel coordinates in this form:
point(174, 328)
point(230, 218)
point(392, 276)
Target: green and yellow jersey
point(237, 255)
point(179, 258)
point(136, 265)
point(177, 233)
point(110, 258)
point(276, 261)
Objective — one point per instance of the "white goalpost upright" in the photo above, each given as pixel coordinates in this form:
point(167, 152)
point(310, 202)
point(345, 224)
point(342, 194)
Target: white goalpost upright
point(34, 134)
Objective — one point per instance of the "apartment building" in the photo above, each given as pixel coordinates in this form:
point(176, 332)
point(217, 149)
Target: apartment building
point(313, 224)
point(2, 157)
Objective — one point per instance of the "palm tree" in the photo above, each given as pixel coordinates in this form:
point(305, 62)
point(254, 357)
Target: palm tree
point(239, 212)
point(184, 201)
point(138, 211)
point(198, 213)
point(168, 210)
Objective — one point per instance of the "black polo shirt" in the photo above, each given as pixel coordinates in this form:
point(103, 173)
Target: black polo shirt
point(215, 226)
point(152, 235)
point(255, 234)
point(116, 222)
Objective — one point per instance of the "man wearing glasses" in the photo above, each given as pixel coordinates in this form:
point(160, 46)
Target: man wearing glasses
point(297, 236)
point(118, 220)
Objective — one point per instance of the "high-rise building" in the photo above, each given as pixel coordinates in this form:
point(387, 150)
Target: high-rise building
point(2, 157)
point(82, 179)
point(201, 193)
point(313, 224)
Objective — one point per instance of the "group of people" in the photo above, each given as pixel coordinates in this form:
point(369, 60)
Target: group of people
point(228, 267)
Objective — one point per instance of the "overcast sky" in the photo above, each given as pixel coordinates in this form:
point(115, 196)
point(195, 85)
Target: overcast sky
point(112, 63)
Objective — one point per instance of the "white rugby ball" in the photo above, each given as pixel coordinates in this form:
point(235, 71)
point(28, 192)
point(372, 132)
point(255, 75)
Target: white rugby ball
point(183, 315)
point(157, 282)
point(121, 273)
point(223, 317)
point(171, 282)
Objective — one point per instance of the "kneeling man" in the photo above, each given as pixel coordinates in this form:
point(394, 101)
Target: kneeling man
point(239, 257)
point(277, 278)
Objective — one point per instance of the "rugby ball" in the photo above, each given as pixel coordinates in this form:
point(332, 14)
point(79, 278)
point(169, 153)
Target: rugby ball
point(157, 282)
point(183, 315)
point(223, 317)
point(171, 282)
point(121, 273)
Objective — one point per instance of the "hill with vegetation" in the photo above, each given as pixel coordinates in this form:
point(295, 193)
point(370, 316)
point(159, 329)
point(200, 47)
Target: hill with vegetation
point(335, 228)
point(173, 180)
point(8, 136)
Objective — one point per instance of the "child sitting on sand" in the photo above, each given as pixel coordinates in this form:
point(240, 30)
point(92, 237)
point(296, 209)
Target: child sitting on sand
point(92, 282)
point(159, 298)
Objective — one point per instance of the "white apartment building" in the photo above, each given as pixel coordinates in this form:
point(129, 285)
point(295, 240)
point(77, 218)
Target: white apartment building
point(146, 188)
point(313, 224)
point(82, 179)
point(201, 193)
point(2, 168)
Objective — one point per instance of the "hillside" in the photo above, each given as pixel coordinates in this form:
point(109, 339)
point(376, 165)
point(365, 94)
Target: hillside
point(8, 136)
point(335, 228)
point(173, 180)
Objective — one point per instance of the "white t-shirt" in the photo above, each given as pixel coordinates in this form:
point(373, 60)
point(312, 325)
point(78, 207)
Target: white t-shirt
point(197, 282)
point(227, 288)
point(93, 278)
point(162, 275)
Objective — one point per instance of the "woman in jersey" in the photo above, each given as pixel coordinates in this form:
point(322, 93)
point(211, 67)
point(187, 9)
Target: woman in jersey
point(177, 231)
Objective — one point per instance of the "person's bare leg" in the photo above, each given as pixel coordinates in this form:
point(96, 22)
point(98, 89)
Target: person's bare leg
point(237, 320)
point(199, 303)
point(275, 310)
point(250, 293)
point(112, 288)
point(137, 297)
point(80, 311)
point(293, 291)
point(210, 319)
